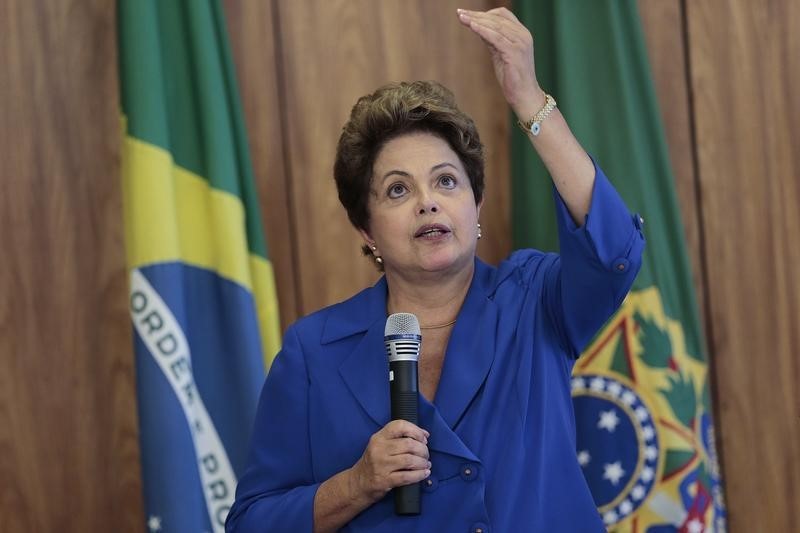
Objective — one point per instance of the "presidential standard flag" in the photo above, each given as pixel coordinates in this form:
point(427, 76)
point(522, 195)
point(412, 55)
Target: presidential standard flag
point(202, 295)
point(645, 437)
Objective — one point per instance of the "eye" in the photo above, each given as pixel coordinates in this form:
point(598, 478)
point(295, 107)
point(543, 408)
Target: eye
point(447, 181)
point(396, 190)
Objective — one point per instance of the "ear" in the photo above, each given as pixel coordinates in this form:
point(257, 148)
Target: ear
point(366, 236)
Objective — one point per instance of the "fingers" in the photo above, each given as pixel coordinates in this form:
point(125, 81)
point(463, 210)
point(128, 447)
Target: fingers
point(407, 446)
point(407, 468)
point(407, 461)
point(404, 443)
point(403, 428)
point(505, 13)
point(500, 21)
point(407, 477)
point(489, 35)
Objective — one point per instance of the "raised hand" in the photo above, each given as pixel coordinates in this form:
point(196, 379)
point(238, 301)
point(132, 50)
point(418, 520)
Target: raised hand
point(511, 47)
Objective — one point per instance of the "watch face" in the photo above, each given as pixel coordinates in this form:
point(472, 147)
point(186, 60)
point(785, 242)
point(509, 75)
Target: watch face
point(535, 128)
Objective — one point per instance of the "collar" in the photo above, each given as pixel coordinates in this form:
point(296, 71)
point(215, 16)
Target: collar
point(360, 313)
point(469, 357)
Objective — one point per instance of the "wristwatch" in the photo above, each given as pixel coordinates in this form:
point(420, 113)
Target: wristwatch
point(534, 125)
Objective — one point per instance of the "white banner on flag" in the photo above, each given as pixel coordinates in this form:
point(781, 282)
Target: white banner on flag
point(166, 342)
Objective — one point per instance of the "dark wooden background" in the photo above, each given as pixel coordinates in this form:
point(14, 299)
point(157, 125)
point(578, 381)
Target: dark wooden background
point(727, 75)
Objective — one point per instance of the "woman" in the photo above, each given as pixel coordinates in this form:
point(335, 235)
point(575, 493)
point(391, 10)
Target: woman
point(495, 446)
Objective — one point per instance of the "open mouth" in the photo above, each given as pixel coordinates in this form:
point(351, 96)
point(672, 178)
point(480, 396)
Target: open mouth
point(432, 231)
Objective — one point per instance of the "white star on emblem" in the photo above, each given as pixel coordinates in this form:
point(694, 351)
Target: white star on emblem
point(610, 518)
point(154, 523)
point(642, 414)
point(694, 526)
point(597, 384)
point(648, 433)
point(626, 507)
point(613, 472)
point(651, 452)
point(578, 384)
point(637, 492)
point(647, 474)
point(584, 457)
point(628, 398)
point(614, 389)
point(608, 420)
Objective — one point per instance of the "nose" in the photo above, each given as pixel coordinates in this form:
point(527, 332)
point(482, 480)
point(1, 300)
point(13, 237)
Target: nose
point(428, 205)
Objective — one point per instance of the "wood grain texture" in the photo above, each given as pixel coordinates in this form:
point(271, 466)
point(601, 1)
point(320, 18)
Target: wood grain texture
point(745, 81)
point(253, 35)
point(664, 30)
point(69, 456)
point(337, 51)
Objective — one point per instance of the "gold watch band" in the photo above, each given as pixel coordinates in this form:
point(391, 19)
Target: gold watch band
point(534, 125)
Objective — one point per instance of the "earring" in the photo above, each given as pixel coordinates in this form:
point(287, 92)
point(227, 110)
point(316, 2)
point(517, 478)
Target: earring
point(479, 230)
point(378, 259)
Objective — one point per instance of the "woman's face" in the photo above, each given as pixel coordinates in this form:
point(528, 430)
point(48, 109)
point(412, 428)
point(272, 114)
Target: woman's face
point(423, 216)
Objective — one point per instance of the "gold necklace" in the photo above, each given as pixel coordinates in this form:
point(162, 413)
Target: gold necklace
point(439, 326)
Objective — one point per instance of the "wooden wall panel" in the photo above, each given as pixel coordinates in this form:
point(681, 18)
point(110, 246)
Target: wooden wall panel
point(253, 34)
point(744, 59)
point(69, 458)
point(337, 51)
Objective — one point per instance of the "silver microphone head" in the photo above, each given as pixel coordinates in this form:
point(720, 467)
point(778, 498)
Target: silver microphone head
point(399, 323)
point(402, 337)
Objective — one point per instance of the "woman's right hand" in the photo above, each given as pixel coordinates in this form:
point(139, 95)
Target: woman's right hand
point(396, 455)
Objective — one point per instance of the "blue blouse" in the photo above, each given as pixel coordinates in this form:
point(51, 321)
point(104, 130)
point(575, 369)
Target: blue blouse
point(502, 431)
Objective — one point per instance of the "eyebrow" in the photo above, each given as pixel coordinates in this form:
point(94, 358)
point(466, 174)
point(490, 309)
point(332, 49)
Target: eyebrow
point(434, 168)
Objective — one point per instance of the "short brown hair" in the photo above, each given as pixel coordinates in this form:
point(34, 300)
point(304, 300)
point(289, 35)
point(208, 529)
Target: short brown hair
point(393, 110)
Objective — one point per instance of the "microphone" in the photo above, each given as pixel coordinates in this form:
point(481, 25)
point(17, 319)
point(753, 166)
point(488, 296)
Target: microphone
point(403, 339)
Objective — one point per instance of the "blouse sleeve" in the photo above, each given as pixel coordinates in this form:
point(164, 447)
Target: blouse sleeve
point(597, 265)
point(276, 491)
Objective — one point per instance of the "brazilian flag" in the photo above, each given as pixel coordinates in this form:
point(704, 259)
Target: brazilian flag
point(645, 437)
point(202, 295)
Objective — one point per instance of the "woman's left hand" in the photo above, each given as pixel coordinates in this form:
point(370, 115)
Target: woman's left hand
point(511, 46)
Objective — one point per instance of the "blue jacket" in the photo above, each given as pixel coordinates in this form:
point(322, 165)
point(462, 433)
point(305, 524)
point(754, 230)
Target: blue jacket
point(502, 441)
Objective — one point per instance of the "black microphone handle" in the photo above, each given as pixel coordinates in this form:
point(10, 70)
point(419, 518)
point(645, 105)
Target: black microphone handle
point(405, 406)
